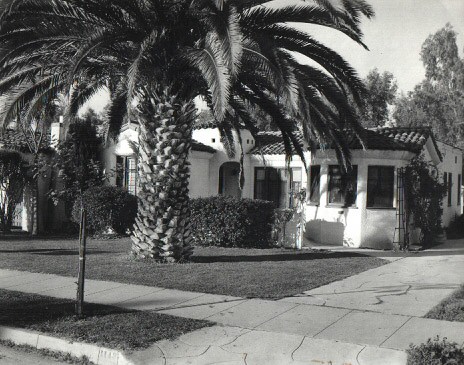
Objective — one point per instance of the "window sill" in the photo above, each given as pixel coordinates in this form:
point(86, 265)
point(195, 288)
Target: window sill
point(381, 208)
point(341, 206)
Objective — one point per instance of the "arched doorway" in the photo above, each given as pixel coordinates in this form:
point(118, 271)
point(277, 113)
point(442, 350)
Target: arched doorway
point(229, 174)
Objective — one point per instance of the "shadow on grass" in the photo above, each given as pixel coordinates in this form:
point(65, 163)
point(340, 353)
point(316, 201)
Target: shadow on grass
point(24, 310)
point(292, 256)
point(105, 325)
point(55, 251)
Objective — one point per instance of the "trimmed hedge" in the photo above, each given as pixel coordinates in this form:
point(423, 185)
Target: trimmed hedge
point(436, 352)
point(107, 207)
point(456, 227)
point(231, 222)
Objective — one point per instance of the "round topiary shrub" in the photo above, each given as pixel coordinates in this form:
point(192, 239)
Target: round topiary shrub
point(107, 207)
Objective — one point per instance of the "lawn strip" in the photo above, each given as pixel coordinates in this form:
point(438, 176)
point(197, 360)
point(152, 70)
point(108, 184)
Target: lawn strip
point(450, 309)
point(56, 355)
point(106, 326)
point(252, 273)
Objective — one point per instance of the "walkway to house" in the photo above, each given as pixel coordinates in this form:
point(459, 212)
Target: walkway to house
point(364, 319)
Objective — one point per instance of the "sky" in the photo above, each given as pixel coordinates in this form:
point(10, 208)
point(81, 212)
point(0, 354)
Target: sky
point(394, 37)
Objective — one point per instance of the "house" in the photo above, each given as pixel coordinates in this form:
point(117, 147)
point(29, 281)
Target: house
point(365, 214)
point(367, 218)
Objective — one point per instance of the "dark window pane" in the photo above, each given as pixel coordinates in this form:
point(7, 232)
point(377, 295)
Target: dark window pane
point(450, 188)
point(380, 185)
point(342, 187)
point(315, 184)
point(459, 189)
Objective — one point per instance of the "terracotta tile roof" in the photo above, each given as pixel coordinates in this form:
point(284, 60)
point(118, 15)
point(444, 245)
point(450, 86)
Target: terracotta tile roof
point(204, 124)
point(403, 139)
point(200, 147)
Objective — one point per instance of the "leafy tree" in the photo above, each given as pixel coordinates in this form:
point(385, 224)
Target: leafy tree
point(161, 54)
point(12, 182)
point(381, 94)
point(438, 101)
point(78, 161)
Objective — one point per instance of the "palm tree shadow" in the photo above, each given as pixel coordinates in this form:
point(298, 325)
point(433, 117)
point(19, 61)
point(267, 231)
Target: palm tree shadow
point(54, 251)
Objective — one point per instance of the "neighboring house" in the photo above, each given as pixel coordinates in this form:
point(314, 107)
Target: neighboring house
point(370, 219)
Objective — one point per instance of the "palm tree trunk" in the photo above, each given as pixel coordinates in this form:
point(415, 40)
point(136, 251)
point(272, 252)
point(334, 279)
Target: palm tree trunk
point(162, 229)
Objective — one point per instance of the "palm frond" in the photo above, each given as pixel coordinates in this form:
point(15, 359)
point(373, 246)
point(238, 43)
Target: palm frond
point(210, 63)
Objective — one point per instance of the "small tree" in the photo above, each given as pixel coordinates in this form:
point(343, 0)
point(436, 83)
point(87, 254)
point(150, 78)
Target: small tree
point(424, 197)
point(12, 182)
point(78, 162)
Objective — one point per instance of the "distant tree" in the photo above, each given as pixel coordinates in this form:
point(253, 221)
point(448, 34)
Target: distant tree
point(381, 94)
point(438, 101)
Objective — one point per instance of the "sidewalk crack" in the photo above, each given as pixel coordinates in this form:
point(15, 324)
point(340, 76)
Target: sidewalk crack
point(350, 311)
point(359, 353)
point(297, 348)
point(395, 331)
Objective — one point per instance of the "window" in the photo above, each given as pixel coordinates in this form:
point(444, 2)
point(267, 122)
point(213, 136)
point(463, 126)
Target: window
point(277, 185)
point(295, 186)
point(450, 189)
point(342, 187)
point(380, 182)
point(315, 184)
point(459, 189)
point(127, 173)
point(267, 184)
point(445, 181)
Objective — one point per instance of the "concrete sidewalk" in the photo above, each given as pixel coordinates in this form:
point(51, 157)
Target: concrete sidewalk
point(369, 318)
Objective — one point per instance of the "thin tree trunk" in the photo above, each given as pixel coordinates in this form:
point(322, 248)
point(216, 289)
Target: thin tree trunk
point(162, 225)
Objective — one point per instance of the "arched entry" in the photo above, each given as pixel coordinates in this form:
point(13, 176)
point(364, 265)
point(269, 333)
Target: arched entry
point(229, 174)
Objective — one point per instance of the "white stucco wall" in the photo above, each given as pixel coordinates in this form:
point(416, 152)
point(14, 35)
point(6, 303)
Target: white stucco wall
point(211, 137)
point(356, 226)
point(199, 174)
point(452, 163)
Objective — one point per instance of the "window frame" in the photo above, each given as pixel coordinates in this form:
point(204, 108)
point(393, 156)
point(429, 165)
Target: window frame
point(311, 183)
point(450, 189)
point(379, 173)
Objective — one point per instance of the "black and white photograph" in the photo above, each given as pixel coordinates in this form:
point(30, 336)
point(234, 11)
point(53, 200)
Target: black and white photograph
point(235, 182)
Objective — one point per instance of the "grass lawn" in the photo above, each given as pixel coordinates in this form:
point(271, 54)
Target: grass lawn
point(254, 273)
point(450, 309)
point(104, 325)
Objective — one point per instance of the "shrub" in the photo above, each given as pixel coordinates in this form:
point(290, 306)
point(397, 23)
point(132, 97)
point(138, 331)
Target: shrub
point(456, 227)
point(435, 352)
point(424, 197)
point(281, 217)
point(107, 207)
point(12, 182)
point(231, 222)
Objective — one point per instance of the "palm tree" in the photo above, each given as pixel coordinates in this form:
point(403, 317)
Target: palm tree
point(160, 55)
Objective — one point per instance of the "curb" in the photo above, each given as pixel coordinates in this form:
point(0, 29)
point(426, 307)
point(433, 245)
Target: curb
point(97, 354)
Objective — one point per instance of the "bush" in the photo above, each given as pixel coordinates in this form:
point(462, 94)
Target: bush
point(435, 352)
point(456, 227)
point(424, 198)
point(231, 222)
point(107, 207)
point(12, 182)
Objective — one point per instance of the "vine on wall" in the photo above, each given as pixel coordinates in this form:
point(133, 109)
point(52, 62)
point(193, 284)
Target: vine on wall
point(424, 198)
